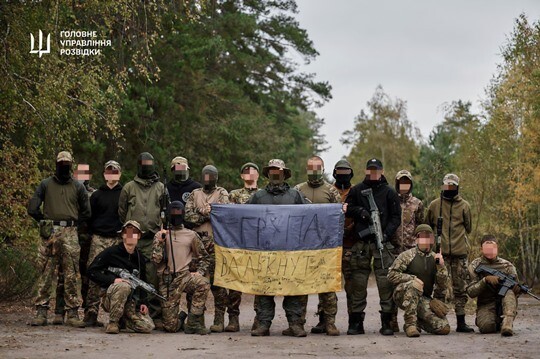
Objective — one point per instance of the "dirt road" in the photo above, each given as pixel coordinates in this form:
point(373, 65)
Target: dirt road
point(18, 340)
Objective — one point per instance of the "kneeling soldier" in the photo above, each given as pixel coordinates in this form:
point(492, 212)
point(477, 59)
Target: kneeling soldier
point(415, 272)
point(180, 245)
point(491, 308)
point(122, 303)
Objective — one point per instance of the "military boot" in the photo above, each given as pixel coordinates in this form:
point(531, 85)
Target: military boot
point(330, 326)
point(219, 322)
point(234, 324)
point(410, 327)
point(112, 328)
point(255, 323)
point(394, 323)
point(356, 323)
point(412, 331)
point(181, 320)
point(195, 325)
point(73, 318)
point(262, 329)
point(386, 328)
point(462, 327)
point(295, 330)
point(320, 328)
point(90, 320)
point(507, 326)
point(58, 319)
point(41, 316)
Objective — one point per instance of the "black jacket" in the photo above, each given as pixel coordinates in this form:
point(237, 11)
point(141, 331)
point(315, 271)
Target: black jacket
point(181, 191)
point(277, 195)
point(117, 256)
point(387, 201)
point(105, 220)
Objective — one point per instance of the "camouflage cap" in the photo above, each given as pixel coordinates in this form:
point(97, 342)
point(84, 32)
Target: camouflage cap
point(113, 164)
point(249, 164)
point(132, 224)
point(423, 228)
point(64, 156)
point(179, 161)
point(403, 173)
point(276, 163)
point(450, 179)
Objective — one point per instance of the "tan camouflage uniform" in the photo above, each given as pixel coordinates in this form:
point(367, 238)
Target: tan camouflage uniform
point(486, 307)
point(411, 300)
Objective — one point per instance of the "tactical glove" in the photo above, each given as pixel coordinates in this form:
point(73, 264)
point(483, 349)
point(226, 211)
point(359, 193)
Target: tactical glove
point(439, 308)
point(492, 279)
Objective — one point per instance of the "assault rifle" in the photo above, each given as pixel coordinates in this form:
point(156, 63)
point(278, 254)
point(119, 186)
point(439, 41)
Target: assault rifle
point(375, 227)
point(134, 281)
point(506, 282)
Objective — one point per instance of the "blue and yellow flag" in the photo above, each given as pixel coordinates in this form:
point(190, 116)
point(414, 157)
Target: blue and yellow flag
point(278, 249)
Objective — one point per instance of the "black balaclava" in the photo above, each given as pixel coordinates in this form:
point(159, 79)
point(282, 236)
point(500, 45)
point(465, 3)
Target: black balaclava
point(213, 172)
point(343, 181)
point(176, 211)
point(145, 171)
point(450, 193)
point(63, 171)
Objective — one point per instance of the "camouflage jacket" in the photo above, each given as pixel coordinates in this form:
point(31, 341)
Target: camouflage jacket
point(412, 214)
point(478, 287)
point(398, 271)
point(241, 196)
point(196, 202)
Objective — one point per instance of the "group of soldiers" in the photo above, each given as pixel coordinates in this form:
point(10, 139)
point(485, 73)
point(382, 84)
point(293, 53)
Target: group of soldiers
point(161, 233)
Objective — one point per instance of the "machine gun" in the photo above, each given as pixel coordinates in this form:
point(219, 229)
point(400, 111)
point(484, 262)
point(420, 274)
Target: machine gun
point(506, 282)
point(134, 281)
point(375, 227)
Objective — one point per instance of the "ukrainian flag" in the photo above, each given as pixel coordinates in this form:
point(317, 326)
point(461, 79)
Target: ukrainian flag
point(278, 249)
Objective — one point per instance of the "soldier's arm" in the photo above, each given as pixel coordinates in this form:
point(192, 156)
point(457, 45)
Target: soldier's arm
point(233, 197)
point(84, 205)
point(123, 204)
point(158, 247)
point(335, 197)
point(192, 212)
point(34, 204)
point(396, 273)
point(467, 219)
point(97, 271)
point(395, 215)
point(477, 285)
point(301, 199)
point(253, 198)
point(223, 197)
point(441, 277)
point(200, 252)
point(354, 208)
point(419, 214)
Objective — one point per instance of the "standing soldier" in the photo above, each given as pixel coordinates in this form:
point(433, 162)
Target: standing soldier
point(492, 309)
point(198, 212)
point(412, 215)
point(126, 307)
point(181, 184)
point(173, 252)
point(249, 172)
point(140, 200)
point(278, 192)
point(456, 224)
point(365, 249)
point(414, 273)
point(317, 190)
point(104, 225)
point(65, 205)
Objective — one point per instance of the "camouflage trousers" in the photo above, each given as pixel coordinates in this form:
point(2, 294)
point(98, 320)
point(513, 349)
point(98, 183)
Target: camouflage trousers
point(327, 306)
point(294, 307)
point(98, 244)
point(120, 306)
point(221, 298)
point(364, 255)
point(458, 274)
point(61, 249)
point(193, 284)
point(417, 310)
point(347, 276)
point(234, 298)
point(487, 319)
point(145, 245)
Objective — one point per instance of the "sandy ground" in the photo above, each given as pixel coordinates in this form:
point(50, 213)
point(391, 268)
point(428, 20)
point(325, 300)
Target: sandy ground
point(19, 340)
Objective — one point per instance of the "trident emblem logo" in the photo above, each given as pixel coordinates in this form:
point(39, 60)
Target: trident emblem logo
point(40, 49)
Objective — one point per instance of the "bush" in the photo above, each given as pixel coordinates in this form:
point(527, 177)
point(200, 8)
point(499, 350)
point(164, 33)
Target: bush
point(18, 271)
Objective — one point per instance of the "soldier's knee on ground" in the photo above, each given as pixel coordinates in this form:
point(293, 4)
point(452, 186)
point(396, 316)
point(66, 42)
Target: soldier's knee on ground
point(487, 327)
point(444, 330)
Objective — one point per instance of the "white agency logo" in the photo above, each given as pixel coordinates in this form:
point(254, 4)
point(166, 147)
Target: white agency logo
point(40, 49)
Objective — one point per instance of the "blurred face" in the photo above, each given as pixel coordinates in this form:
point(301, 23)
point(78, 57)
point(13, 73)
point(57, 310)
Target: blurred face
point(374, 174)
point(314, 169)
point(343, 171)
point(404, 185)
point(209, 178)
point(82, 173)
point(111, 175)
point(180, 172)
point(425, 241)
point(130, 237)
point(449, 187)
point(490, 249)
point(276, 175)
point(250, 175)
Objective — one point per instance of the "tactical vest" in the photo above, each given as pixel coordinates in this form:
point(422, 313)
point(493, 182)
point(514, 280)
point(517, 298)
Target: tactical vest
point(424, 268)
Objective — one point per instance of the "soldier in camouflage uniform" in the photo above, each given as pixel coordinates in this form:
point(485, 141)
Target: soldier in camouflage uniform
point(415, 272)
point(65, 204)
point(457, 223)
point(412, 214)
point(249, 172)
point(126, 307)
point(492, 309)
point(173, 252)
point(198, 212)
point(317, 190)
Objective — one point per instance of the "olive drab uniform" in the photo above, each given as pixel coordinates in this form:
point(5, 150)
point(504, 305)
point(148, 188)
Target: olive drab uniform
point(197, 201)
point(488, 316)
point(409, 265)
point(348, 242)
point(323, 192)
